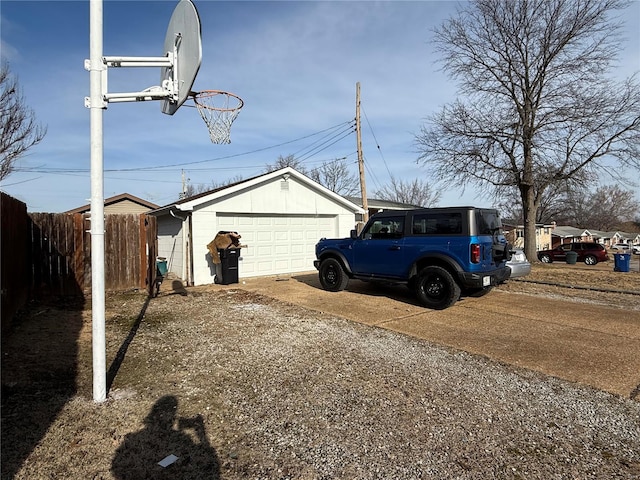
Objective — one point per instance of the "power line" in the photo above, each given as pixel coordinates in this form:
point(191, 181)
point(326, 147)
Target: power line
point(328, 143)
point(377, 144)
point(182, 164)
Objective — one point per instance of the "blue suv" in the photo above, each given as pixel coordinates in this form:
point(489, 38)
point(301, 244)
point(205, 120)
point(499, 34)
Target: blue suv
point(439, 253)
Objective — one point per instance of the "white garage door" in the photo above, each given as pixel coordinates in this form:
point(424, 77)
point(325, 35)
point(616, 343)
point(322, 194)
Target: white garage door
point(278, 244)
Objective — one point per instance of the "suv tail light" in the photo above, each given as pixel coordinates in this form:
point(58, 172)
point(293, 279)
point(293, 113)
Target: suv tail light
point(475, 253)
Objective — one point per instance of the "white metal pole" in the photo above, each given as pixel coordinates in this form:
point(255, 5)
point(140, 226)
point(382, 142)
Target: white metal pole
point(97, 204)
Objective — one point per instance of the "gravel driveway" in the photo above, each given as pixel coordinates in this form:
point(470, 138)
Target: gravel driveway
point(285, 392)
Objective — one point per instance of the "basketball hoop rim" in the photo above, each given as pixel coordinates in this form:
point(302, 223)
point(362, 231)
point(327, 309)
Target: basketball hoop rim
point(211, 93)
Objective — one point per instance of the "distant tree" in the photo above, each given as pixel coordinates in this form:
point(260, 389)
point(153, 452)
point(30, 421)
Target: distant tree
point(335, 176)
point(538, 107)
point(197, 188)
point(606, 209)
point(288, 161)
point(19, 130)
point(413, 192)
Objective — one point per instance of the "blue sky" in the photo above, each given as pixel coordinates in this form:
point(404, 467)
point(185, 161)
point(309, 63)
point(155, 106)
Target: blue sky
point(295, 64)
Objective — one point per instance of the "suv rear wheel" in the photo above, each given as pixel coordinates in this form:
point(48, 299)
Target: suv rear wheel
point(332, 276)
point(436, 288)
point(590, 260)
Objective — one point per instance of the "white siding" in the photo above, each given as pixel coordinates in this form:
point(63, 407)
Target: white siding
point(279, 221)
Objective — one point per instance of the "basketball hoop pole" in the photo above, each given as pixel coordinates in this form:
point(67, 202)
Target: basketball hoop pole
point(97, 105)
point(183, 45)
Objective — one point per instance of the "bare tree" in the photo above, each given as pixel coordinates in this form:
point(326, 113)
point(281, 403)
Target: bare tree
point(412, 192)
point(336, 177)
point(554, 205)
point(18, 128)
point(606, 209)
point(333, 174)
point(538, 106)
point(288, 161)
point(197, 188)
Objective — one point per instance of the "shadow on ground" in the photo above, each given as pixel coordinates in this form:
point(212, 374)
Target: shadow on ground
point(399, 293)
point(39, 375)
point(168, 447)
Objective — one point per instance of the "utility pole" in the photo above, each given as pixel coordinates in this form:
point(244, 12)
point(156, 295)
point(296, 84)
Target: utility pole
point(184, 186)
point(363, 187)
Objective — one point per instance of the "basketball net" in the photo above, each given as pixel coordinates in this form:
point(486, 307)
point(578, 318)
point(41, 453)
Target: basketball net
point(218, 109)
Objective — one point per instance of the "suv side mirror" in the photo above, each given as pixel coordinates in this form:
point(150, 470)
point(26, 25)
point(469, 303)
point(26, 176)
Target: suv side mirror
point(353, 234)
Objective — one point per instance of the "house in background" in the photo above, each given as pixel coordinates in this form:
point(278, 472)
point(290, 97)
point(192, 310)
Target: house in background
point(280, 216)
point(611, 238)
point(515, 235)
point(549, 236)
point(564, 234)
point(123, 203)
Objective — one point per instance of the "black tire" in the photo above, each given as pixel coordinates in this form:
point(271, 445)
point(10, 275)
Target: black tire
point(545, 258)
point(590, 260)
point(436, 288)
point(332, 276)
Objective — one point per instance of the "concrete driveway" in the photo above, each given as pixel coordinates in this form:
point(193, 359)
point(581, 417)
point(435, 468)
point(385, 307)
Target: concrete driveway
point(581, 342)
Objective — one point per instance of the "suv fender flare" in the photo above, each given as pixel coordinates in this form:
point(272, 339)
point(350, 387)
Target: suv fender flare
point(338, 255)
point(435, 259)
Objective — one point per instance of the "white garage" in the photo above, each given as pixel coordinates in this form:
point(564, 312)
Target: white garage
point(280, 216)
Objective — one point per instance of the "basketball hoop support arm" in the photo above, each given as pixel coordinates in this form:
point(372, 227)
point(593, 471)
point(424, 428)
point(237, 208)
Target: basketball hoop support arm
point(168, 89)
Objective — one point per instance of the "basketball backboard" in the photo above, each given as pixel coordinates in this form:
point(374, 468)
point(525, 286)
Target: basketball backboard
point(184, 38)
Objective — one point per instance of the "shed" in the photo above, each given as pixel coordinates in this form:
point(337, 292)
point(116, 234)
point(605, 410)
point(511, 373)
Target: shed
point(280, 216)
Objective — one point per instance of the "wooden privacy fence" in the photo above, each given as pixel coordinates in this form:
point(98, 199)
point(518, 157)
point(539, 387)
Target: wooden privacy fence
point(50, 254)
point(14, 254)
point(61, 252)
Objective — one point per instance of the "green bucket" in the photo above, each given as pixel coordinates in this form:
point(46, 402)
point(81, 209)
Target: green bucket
point(161, 265)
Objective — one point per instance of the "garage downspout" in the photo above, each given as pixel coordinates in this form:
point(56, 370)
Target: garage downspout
point(185, 247)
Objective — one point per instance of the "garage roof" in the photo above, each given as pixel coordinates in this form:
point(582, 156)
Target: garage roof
point(191, 203)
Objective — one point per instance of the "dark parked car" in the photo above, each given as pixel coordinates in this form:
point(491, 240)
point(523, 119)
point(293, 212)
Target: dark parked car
point(588, 252)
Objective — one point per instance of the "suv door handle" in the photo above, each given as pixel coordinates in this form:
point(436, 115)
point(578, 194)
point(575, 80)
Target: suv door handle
point(394, 247)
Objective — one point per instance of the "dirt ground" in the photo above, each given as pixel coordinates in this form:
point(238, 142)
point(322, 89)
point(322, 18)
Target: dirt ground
point(571, 322)
point(576, 322)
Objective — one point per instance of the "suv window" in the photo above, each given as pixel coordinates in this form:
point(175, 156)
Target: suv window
point(441, 223)
point(487, 222)
point(385, 228)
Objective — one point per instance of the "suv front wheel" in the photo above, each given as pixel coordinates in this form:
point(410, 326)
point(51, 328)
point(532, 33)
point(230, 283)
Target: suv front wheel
point(436, 288)
point(332, 276)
